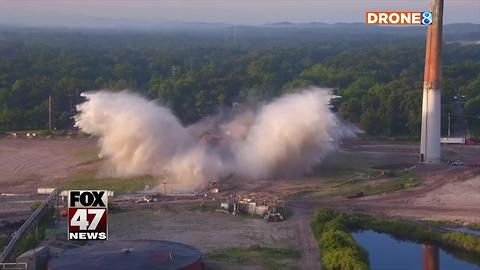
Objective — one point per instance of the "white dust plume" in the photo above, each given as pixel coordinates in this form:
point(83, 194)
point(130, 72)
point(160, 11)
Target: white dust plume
point(139, 137)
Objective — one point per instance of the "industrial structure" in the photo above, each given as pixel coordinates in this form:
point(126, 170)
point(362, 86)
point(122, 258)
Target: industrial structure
point(128, 255)
point(270, 208)
point(431, 109)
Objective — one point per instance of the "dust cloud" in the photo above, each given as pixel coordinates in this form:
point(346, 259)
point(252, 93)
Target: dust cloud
point(287, 136)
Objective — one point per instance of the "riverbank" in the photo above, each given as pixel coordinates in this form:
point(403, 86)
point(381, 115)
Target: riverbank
point(333, 233)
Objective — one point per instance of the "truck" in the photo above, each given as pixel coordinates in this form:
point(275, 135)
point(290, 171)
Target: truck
point(452, 140)
point(458, 140)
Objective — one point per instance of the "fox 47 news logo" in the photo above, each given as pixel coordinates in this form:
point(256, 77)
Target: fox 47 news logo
point(87, 215)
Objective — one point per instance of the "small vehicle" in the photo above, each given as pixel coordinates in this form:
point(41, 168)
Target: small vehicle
point(356, 195)
point(455, 163)
point(470, 141)
point(473, 164)
point(273, 216)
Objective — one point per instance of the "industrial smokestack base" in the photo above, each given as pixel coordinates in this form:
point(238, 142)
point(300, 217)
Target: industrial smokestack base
point(430, 151)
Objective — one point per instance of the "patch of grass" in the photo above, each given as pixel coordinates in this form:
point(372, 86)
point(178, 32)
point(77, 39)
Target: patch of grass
point(208, 207)
point(367, 182)
point(3, 242)
point(31, 240)
point(268, 257)
point(441, 223)
point(35, 205)
point(463, 241)
point(403, 181)
point(87, 155)
point(36, 234)
point(475, 227)
point(87, 180)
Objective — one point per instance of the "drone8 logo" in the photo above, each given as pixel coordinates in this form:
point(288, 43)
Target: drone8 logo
point(398, 18)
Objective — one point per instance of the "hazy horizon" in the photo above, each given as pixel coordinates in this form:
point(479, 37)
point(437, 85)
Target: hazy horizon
point(142, 13)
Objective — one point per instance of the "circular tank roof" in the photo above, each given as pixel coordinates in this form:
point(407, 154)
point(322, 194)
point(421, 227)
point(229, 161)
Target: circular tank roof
point(123, 255)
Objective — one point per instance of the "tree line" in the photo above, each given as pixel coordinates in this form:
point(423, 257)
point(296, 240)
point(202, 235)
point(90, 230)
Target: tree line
point(379, 83)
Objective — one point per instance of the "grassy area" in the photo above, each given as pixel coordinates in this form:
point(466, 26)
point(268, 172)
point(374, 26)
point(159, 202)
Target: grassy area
point(207, 207)
point(88, 180)
point(475, 227)
point(3, 242)
point(31, 240)
point(268, 257)
point(87, 155)
point(403, 181)
point(367, 182)
point(400, 139)
point(35, 205)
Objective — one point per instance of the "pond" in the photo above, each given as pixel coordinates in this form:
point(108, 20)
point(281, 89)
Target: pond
point(387, 253)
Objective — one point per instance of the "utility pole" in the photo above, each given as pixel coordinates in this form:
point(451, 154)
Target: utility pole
point(449, 124)
point(49, 114)
point(70, 98)
point(431, 107)
point(173, 71)
point(225, 37)
point(165, 186)
point(235, 35)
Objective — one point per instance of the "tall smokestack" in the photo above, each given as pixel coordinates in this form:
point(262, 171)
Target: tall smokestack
point(430, 139)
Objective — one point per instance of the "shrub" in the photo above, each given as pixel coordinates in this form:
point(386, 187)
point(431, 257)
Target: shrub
point(463, 241)
point(343, 259)
point(335, 239)
point(319, 219)
point(339, 250)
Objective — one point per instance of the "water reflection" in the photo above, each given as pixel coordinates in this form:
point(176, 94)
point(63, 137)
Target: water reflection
point(430, 258)
point(388, 253)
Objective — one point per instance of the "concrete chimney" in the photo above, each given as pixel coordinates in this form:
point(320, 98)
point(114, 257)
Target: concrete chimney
point(431, 109)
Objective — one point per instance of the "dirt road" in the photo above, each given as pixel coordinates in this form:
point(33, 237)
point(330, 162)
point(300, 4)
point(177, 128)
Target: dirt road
point(306, 242)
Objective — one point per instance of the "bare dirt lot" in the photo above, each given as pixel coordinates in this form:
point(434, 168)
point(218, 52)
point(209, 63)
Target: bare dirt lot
point(210, 231)
point(443, 192)
point(26, 164)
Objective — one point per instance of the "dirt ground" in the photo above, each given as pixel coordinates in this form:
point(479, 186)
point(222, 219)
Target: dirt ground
point(205, 230)
point(209, 231)
point(26, 164)
point(443, 193)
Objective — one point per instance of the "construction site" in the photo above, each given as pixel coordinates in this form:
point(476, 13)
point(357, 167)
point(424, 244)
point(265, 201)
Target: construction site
point(230, 214)
point(285, 183)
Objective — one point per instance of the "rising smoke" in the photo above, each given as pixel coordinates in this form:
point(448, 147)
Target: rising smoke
point(138, 137)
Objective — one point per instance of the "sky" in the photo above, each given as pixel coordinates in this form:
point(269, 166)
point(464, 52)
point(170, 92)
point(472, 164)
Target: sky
point(90, 13)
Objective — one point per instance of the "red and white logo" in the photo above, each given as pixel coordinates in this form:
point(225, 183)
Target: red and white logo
point(87, 215)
